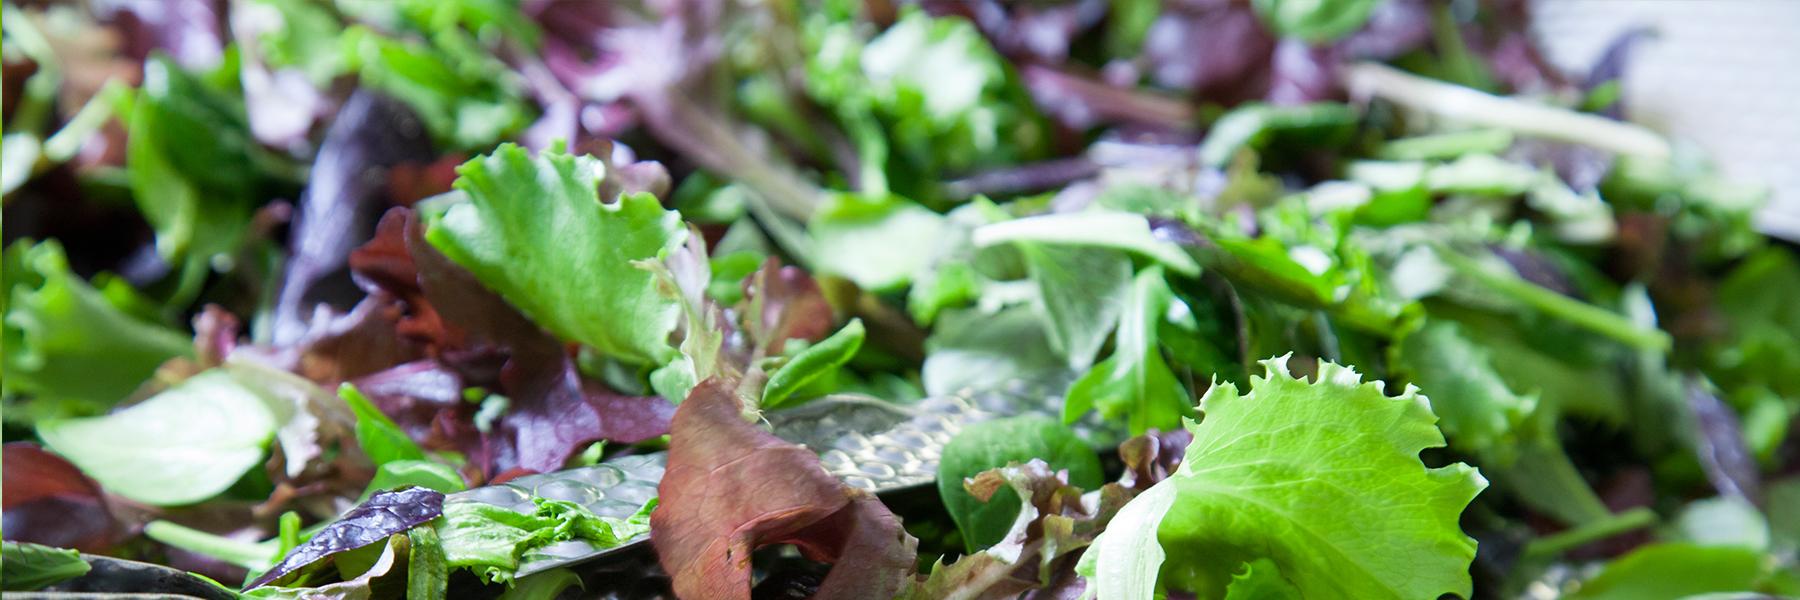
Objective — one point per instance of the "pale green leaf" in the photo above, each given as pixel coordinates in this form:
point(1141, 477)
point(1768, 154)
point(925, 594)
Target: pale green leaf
point(181, 446)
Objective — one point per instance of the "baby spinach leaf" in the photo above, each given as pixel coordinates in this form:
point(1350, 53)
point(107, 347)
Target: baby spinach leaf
point(534, 230)
point(183, 445)
point(972, 349)
point(994, 444)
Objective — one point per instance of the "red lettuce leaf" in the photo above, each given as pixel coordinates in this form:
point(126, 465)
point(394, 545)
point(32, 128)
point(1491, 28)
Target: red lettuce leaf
point(343, 197)
point(478, 339)
point(731, 488)
point(790, 304)
point(48, 501)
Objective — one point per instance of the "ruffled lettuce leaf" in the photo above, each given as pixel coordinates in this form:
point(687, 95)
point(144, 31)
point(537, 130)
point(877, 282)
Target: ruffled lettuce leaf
point(1321, 479)
point(534, 230)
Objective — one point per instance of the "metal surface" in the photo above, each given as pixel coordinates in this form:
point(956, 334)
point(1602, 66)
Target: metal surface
point(615, 488)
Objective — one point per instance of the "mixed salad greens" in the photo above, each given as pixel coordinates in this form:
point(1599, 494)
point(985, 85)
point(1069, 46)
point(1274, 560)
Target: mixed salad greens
point(1336, 299)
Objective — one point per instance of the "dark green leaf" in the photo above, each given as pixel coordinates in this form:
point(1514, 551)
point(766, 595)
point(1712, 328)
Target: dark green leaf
point(427, 572)
point(1135, 382)
point(998, 443)
point(812, 363)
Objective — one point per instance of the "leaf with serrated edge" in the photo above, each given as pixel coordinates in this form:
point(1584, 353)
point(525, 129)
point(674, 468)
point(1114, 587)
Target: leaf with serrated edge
point(1321, 479)
point(534, 230)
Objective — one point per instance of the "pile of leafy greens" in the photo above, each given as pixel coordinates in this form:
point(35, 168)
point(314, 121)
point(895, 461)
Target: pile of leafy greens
point(1331, 299)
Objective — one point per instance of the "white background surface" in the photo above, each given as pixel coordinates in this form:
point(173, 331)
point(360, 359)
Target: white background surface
point(1722, 74)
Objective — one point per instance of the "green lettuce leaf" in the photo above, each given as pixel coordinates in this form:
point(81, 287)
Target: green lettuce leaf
point(74, 348)
point(1321, 479)
point(534, 230)
point(490, 540)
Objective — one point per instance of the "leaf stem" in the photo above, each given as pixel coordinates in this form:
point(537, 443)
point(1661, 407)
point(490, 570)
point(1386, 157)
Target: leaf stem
point(249, 555)
point(1558, 543)
point(1581, 314)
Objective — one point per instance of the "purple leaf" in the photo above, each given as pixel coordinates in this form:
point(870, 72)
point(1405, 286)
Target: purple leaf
point(341, 203)
point(385, 514)
point(189, 31)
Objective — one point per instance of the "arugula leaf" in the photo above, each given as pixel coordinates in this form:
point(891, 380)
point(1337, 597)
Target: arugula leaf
point(1322, 479)
point(1082, 291)
point(534, 230)
point(1513, 434)
point(998, 443)
point(183, 445)
point(29, 567)
point(1476, 409)
point(77, 349)
point(1135, 381)
point(815, 361)
point(378, 436)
